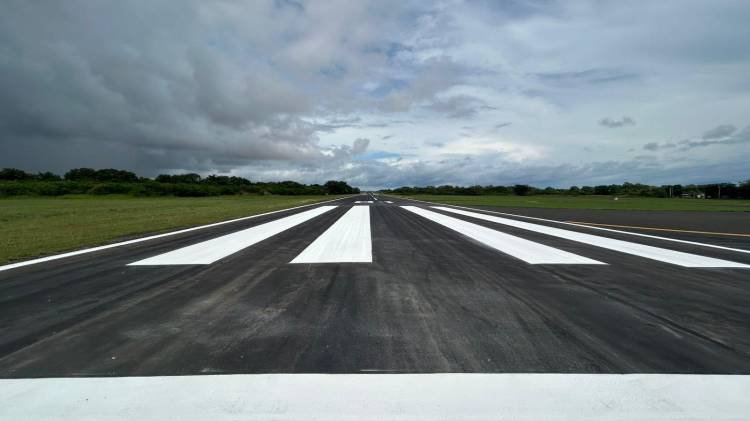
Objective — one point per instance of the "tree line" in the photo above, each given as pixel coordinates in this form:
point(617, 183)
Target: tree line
point(16, 182)
point(709, 191)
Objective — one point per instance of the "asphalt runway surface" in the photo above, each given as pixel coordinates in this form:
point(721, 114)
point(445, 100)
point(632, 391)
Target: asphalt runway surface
point(389, 286)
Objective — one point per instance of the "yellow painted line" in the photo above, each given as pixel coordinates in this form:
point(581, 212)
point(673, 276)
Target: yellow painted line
point(660, 229)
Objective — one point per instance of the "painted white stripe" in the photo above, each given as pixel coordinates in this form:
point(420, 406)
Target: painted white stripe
point(388, 201)
point(207, 252)
point(641, 250)
point(457, 396)
point(347, 240)
point(151, 237)
point(528, 251)
point(637, 234)
point(363, 201)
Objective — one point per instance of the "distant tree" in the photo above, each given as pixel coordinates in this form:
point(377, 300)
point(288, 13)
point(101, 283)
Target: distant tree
point(111, 174)
point(14, 174)
point(743, 190)
point(48, 176)
point(337, 187)
point(80, 174)
point(190, 178)
point(224, 180)
point(521, 189)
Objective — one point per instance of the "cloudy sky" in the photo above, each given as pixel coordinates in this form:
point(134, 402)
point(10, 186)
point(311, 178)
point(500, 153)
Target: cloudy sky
point(381, 93)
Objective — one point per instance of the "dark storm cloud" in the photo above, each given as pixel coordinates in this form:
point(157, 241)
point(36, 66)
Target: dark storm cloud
point(294, 89)
point(721, 135)
point(655, 146)
point(717, 132)
point(501, 125)
point(613, 123)
point(590, 76)
point(725, 134)
point(147, 86)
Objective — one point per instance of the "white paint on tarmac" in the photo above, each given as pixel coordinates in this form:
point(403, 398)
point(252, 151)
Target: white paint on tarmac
point(388, 201)
point(636, 234)
point(528, 251)
point(362, 201)
point(349, 240)
point(207, 252)
point(150, 237)
point(649, 252)
point(601, 397)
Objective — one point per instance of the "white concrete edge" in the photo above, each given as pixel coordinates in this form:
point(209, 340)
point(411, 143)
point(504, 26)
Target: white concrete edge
point(151, 237)
point(454, 396)
point(637, 234)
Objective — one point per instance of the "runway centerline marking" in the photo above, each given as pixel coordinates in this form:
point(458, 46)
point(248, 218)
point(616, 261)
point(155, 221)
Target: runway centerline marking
point(649, 252)
point(348, 240)
point(207, 252)
point(528, 251)
point(362, 201)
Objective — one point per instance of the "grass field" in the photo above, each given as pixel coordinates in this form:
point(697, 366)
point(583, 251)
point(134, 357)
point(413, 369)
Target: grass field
point(592, 202)
point(33, 227)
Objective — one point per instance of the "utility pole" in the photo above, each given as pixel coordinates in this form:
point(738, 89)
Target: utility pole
point(719, 192)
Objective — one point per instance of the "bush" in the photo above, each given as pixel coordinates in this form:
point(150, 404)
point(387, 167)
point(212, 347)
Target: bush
point(12, 174)
point(15, 182)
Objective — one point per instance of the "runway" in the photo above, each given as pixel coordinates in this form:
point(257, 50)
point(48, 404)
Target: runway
point(380, 284)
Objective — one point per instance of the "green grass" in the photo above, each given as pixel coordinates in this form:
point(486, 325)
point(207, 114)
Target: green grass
point(32, 227)
point(592, 202)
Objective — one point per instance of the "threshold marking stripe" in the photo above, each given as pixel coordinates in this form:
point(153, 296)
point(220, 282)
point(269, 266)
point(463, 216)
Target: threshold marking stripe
point(150, 237)
point(363, 201)
point(730, 234)
point(207, 252)
point(635, 234)
point(649, 252)
point(348, 240)
point(528, 251)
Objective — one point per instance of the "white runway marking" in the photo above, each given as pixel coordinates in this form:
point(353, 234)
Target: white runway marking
point(605, 397)
point(641, 250)
point(150, 237)
point(363, 201)
point(348, 240)
point(636, 234)
point(388, 201)
point(528, 251)
point(207, 252)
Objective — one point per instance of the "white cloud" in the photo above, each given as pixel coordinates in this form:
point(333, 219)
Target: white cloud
point(303, 90)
